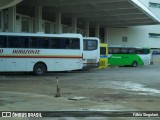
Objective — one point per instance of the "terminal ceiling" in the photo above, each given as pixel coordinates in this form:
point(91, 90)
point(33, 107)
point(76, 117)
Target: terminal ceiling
point(112, 13)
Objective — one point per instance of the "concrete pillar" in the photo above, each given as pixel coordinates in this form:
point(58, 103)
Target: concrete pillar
point(38, 18)
point(31, 25)
point(2, 20)
point(58, 23)
point(97, 30)
point(18, 23)
point(12, 19)
point(106, 35)
point(74, 25)
point(52, 27)
point(87, 28)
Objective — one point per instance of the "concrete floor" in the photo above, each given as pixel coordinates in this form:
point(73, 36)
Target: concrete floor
point(111, 89)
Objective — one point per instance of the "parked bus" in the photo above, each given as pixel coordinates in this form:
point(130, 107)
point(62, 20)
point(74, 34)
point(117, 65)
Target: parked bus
point(103, 55)
point(40, 53)
point(132, 56)
point(91, 52)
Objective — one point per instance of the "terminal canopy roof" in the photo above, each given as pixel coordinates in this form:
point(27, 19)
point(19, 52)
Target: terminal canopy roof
point(8, 3)
point(112, 13)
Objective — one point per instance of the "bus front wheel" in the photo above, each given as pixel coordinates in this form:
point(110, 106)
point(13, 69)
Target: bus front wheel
point(39, 69)
point(134, 64)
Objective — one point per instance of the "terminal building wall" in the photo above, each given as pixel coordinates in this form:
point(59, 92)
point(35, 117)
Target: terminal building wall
point(142, 36)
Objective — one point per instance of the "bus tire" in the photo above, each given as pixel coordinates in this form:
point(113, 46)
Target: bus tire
point(134, 64)
point(39, 69)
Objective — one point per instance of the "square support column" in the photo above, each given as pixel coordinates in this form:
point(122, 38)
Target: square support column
point(31, 28)
point(11, 19)
point(97, 30)
point(87, 28)
point(106, 35)
point(74, 25)
point(53, 28)
point(2, 20)
point(58, 23)
point(38, 19)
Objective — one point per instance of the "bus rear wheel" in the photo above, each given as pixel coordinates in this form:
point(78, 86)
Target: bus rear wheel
point(39, 69)
point(134, 64)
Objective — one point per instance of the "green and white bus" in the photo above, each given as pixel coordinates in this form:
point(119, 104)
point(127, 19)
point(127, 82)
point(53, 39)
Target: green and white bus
point(129, 56)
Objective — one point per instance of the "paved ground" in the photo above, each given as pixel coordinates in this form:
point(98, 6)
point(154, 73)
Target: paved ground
point(111, 89)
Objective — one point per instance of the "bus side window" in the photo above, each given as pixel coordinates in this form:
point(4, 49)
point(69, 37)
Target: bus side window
point(33, 42)
point(110, 50)
point(116, 51)
point(43, 42)
point(131, 51)
point(12, 43)
point(124, 50)
point(146, 51)
point(55, 43)
point(15, 42)
point(3, 42)
point(23, 41)
point(65, 43)
point(139, 51)
point(46, 42)
point(75, 43)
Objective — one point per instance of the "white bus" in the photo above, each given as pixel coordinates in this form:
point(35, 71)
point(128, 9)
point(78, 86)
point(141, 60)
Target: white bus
point(40, 53)
point(91, 54)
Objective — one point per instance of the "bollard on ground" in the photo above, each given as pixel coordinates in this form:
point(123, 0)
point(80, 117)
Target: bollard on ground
point(58, 93)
